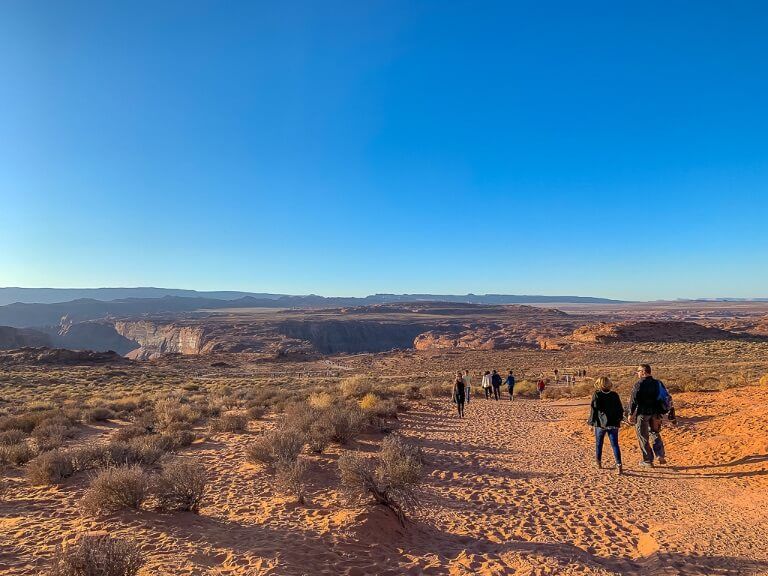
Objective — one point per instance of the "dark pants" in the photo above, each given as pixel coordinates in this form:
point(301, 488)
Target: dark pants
point(511, 390)
point(648, 428)
point(496, 394)
point(613, 436)
point(487, 392)
point(460, 407)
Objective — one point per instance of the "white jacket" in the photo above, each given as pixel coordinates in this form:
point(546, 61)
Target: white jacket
point(486, 381)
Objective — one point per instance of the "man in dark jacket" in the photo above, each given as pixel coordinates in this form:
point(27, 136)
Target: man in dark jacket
point(645, 412)
point(496, 384)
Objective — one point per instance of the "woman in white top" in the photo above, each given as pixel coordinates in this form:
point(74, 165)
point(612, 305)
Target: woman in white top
point(487, 384)
point(467, 387)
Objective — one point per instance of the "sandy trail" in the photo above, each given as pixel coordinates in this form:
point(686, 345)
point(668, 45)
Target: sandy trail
point(509, 490)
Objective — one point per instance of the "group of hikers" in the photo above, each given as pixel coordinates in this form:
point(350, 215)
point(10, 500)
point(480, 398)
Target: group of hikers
point(491, 384)
point(649, 403)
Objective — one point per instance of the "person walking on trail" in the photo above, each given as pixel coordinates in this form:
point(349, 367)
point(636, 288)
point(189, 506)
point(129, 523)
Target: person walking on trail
point(649, 401)
point(605, 415)
point(510, 382)
point(458, 394)
point(540, 385)
point(496, 384)
point(467, 386)
point(487, 384)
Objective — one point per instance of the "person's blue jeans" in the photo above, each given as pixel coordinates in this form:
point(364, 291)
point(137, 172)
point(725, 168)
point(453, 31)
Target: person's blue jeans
point(613, 436)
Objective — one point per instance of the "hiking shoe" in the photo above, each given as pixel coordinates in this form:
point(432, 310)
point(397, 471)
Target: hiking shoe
point(662, 460)
point(645, 464)
point(619, 469)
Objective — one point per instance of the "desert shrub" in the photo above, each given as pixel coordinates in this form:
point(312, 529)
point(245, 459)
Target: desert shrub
point(763, 380)
point(16, 454)
point(321, 400)
point(180, 486)
point(391, 480)
point(528, 389)
point(255, 412)
point(4, 487)
point(171, 410)
point(413, 393)
point(345, 422)
point(373, 405)
point(369, 401)
point(319, 435)
point(25, 422)
point(50, 436)
point(230, 422)
point(98, 414)
point(50, 467)
point(12, 436)
point(115, 489)
point(435, 390)
point(129, 432)
point(125, 405)
point(97, 555)
point(89, 456)
point(291, 477)
point(355, 386)
point(276, 448)
point(178, 437)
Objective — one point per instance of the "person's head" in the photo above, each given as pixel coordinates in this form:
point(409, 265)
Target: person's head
point(466, 372)
point(603, 383)
point(458, 374)
point(494, 371)
point(644, 370)
point(487, 372)
point(510, 372)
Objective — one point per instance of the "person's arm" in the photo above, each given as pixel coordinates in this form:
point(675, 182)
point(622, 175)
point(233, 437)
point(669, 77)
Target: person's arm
point(633, 399)
point(593, 410)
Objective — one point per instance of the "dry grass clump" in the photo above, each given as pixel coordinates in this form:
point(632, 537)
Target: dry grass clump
point(50, 436)
point(435, 390)
point(392, 480)
point(50, 467)
point(130, 432)
point(12, 436)
point(291, 477)
point(276, 448)
point(97, 555)
point(527, 389)
point(115, 489)
point(580, 390)
point(255, 412)
point(763, 380)
point(98, 414)
point(230, 422)
point(180, 486)
point(16, 454)
point(170, 410)
point(355, 386)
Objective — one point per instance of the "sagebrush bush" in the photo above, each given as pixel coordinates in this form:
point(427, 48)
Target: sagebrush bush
point(12, 436)
point(291, 477)
point(50, 436)
point(276, 448)
point(171, 410)
point(345, 422)
point(129, 432)
point(98, 414)
point(97, 555)
point(392, 479)
point(256, 412)
point(435, 390)
point(527, 389)
point(321, 400)
point(355, 386)
point(115, 489)
point(16, 454)
point(180, 486)
point(230, 422)
point(764, 380)
point(50, 467)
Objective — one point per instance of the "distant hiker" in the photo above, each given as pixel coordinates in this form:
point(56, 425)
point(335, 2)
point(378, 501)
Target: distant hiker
point(496, 384)
point(540, 386)
point(487, 384)
point(467, 385)
point(557, 376)
point(458, 394)
point(606, 413)
point(649, 401)
point(510, 382)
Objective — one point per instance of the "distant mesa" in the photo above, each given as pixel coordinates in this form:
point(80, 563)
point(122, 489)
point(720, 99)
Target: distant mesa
point(58, 356)
point(649, 331)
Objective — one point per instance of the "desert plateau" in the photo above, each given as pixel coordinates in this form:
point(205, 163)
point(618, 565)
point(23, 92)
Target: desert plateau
point(216, 444)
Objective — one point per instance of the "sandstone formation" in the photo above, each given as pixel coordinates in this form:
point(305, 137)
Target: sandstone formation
point(648, 331)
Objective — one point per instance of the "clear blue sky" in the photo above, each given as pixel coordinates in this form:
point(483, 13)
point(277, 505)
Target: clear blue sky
point(613, 149)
